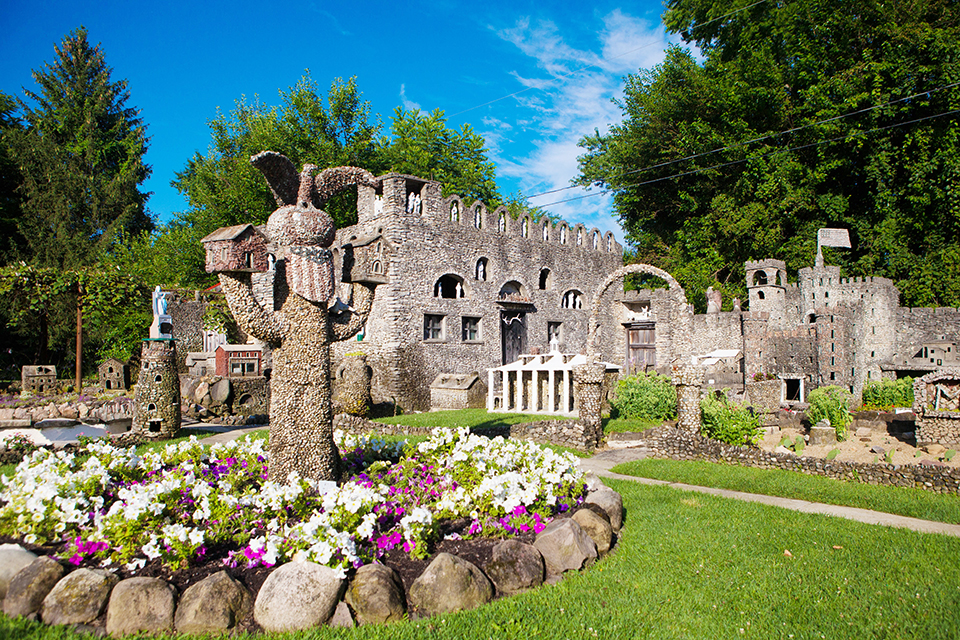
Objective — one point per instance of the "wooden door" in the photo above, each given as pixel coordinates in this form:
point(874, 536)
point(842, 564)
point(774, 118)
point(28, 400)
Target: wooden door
point(513, 332)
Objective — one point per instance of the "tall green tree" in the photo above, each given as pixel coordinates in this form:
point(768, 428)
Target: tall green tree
point(11, 242)
point(80, 158)
point(423, 145)
point(704, 177)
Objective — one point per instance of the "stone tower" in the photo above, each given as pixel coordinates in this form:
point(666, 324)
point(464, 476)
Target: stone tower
point(766, 284)
point(156, 411)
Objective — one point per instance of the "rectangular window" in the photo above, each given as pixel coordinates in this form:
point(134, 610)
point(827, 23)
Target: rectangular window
point(553, 332)
point(471, 329)
point(432, 327)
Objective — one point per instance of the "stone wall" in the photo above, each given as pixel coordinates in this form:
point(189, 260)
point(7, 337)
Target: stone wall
point(665, 442)
point(421, 249)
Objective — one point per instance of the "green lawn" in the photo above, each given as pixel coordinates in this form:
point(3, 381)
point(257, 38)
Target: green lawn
point(628, 425)
point(915, 503)
point(474, 418)
point(698, 566)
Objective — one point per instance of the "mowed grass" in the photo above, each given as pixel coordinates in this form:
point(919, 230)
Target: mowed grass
point(904, 501)
point(698, 566)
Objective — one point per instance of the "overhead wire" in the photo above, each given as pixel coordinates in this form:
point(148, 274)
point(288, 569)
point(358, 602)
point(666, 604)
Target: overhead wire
point(753, 140)
point(763, 155)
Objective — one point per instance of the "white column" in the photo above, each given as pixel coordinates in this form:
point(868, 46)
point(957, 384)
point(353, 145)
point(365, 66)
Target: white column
point(491, 376)
point(552, 391)
point(505, 390)
point(535, 392)
point(518, 391)
point(565, 393)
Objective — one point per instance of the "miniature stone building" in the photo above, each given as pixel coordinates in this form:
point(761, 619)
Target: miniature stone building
point(457, 391)
point(114, 374)
point(238, 248)
point(238, 360)
point(468, 288)
point(38, 378)
point(156, 412)
point(936, 403)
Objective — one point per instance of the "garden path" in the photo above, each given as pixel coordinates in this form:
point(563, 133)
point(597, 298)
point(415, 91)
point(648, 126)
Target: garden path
point(602, 462)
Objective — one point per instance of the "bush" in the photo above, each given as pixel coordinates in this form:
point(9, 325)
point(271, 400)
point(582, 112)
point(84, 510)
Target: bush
point(831, 403)
point(731, 423)
point(646, 396)
point(886, 394)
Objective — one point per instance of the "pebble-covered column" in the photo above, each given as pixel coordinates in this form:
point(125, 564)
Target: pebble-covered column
point(688, 379)
point(588, 383)
point(156, 412)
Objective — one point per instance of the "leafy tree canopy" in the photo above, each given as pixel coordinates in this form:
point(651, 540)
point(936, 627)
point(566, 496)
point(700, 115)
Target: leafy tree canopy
point(79, 154)
point(802, 115)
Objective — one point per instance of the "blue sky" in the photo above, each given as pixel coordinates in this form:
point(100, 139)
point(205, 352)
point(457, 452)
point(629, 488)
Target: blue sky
point(184, 60)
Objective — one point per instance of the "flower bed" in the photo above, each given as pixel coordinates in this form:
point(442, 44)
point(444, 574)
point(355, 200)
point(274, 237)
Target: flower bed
point(121, 508)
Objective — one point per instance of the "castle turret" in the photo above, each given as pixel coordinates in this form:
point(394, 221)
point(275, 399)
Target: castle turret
point(766, 283)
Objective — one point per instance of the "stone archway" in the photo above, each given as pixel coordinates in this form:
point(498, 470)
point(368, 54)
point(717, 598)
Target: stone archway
point(672, 285)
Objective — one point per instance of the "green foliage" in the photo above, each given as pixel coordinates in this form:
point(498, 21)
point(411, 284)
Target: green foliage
point(831, 403)
point(423, 145)
point(833, 454)
point(948, 454)
point(886, 394)
point(80, 159)
point(727, 422)
point(646, 396)
point(743, 191)
point(11, 242)
point(217, 317)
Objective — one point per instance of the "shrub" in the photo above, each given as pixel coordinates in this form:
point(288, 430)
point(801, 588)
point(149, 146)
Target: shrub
point(731, 423)
point(886, 394)
point(646, 396)
point(831, 403)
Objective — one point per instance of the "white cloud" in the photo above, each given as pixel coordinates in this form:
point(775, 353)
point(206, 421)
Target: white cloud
point(571, 99)
point(409, 105)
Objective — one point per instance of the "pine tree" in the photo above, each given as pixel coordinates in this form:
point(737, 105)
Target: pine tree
point(80, 156)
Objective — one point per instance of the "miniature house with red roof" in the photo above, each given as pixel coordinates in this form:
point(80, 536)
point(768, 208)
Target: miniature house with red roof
point(241, 247)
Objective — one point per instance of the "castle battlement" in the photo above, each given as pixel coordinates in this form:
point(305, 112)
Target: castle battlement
point(412, 198)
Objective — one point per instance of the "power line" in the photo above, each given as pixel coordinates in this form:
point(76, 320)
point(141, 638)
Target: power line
point(763, 155)
point(590, 66)
point(751, 141)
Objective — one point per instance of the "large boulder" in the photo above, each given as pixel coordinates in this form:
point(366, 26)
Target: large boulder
point(565, 546)
point(13, 557)
point(140, 605)
point(450, 584)
point(31, 585)
point(376, 595)
point(515, 567)
point(220, 391)
point(597, 527)
point(212, 605)
point(298, 595)
point(611, 502)
point(79, 598)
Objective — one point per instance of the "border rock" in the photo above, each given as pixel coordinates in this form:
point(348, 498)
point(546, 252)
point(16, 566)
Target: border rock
point(79, 598)
point(565, 546)
point(515, 567)
point(31, 585)
point(450, 584)
point(13, 558)
point(140, 605)
point(597, 528)
point(214, 604)
point(376, 595)
point(611, 502)
point(298, 595)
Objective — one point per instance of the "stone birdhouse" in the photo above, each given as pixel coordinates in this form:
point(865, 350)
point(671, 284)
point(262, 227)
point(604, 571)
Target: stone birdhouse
point(114, 374)
point(240, 248)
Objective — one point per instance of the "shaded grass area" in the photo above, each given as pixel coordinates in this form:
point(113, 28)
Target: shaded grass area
point(699, 566)
point(628, 425)
point(915, 503)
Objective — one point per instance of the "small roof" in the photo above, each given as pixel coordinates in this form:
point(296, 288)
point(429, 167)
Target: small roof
point(460, 381)
point(240, 347)
point(229, 233)
point(550, 361)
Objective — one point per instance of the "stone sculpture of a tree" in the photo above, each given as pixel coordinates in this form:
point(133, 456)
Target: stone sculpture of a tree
point(306, 318)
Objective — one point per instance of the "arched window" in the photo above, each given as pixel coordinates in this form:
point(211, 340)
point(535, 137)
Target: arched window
point(481, 271)
point(759, 278)
point(449, 286)
point(478, 218)
point(513, 290)
point(609, 244)
point(545, 279)
point(579, 237)
point(572, 299)
point(563, 235)
point(760, 295)
point(454, 212)
point(546, 232)
point(502, 223)
point(524, 228)
point(596, 240)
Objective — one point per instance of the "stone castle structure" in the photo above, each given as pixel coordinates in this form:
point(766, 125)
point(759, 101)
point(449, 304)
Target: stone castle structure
point(465, 288)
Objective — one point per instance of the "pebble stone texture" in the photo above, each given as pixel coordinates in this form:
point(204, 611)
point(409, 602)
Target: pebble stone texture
point(353, 385)
point(482, 251)
point(156, 413)
point(687, 379)
point(298, 328)
point(677, 444)
point(941, 426)
point(588, 381)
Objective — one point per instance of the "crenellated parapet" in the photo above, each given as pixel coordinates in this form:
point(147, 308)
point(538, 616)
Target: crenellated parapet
point(412, 198)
